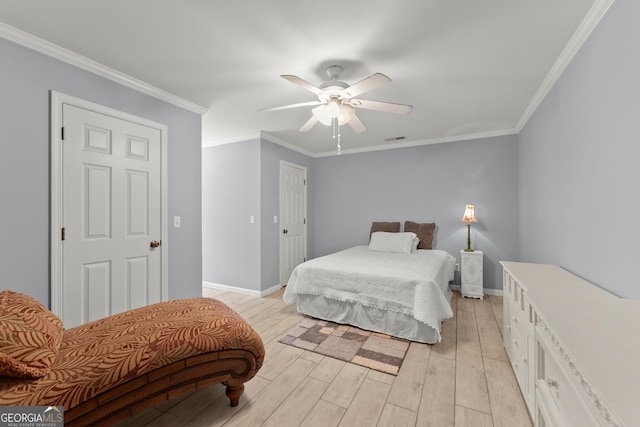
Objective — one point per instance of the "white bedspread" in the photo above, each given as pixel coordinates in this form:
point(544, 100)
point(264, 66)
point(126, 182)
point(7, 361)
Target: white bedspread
point(414, 284)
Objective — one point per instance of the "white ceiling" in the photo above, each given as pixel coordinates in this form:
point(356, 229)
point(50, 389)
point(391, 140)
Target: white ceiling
point(469, 68)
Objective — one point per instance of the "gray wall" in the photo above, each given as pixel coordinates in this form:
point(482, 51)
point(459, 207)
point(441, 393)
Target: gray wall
point(271, 154)
point(231, 194)
point(26, 79)
point(430, 183)
point(579, 154)
point(240, 180)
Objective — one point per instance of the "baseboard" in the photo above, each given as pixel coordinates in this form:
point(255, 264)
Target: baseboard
point(496, 292)
point(227, 288)
point(271, 290)
point(487, 291)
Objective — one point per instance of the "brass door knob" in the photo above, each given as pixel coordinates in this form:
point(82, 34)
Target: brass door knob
point(155, 243)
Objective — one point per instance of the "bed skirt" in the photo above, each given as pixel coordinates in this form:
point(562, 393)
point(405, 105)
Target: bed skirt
point(373, 319)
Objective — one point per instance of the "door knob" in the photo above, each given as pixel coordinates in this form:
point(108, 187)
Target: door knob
point(285, 231)
point(155, 243)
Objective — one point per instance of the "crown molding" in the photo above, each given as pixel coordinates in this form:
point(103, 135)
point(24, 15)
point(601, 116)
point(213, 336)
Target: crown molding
point(258, 135)
point(390, 146)
point(47, 48)
point(286, 144)
point(407, 144)
point(231, 139)
point(586, 27)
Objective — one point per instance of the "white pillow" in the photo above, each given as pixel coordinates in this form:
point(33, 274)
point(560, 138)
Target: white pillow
point(414, 246)
point(403, 243)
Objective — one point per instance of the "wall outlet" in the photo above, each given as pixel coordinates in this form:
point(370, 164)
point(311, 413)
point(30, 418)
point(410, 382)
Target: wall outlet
point(457, 267)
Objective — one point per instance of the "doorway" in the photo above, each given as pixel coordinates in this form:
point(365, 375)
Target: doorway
point(293, 218)
point(109, 211)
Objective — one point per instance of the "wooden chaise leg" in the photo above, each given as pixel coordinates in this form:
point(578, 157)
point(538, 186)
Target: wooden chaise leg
point(234, 392)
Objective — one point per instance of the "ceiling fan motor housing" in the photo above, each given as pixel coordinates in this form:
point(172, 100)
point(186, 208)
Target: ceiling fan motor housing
point(334, 71)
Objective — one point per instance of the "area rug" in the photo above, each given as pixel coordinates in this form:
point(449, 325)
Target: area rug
point(369, 349)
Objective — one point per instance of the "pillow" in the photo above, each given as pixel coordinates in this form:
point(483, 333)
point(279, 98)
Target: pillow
point(390, 227)
point(30, 336)
point(414, 245)
point(402, 243)
point(423, 230)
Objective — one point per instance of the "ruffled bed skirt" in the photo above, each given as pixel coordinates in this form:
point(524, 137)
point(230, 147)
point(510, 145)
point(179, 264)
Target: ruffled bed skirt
point(369, 318)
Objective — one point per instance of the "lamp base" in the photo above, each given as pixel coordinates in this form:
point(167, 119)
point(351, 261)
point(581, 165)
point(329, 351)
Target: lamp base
point(468, 238)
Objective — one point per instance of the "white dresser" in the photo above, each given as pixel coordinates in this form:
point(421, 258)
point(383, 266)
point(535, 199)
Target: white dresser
point(574, 348)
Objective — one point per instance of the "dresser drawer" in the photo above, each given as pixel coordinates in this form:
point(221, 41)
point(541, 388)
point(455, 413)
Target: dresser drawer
point(518, 357)
point(554, 380)
point(547, 414)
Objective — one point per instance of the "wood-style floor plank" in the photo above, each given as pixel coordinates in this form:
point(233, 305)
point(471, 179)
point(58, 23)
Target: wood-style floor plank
point(447, 346)
point(467, 326)
point(273, 395)
point(507, 406)
point(327, 369)
point(465, 304)
point(395, 416)
point(438, 396)
point(367, 405)
point(466, 417)
point(407, 387)
point(324, 414)
point(491, 340)
point(295, 409)
point(346, 385)
point(471, 383)
point(483, 309)
point(216, 413)
point(464, 380)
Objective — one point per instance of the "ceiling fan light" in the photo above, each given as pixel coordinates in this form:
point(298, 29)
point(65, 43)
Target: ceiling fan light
point(325, 113)
point(333, 108)
point(346, 113)
point(322, 115)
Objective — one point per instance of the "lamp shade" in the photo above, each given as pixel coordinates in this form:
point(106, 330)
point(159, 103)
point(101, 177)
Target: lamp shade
point(469, 215)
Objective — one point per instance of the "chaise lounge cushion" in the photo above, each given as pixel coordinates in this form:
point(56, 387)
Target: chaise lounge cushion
point(30, 336)
point(98, 356)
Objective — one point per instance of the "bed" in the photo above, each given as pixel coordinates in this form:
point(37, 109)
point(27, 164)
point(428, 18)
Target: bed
point(401, 293)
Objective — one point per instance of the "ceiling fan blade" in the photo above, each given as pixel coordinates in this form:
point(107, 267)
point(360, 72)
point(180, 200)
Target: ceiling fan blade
point(357, 125)
point(302, 83)
point(374, 81)
point(308, 125)
point(286, 107)
point(387, 107)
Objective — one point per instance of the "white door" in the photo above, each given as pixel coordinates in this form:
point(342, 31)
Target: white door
point(111, 216)
point(293, 218)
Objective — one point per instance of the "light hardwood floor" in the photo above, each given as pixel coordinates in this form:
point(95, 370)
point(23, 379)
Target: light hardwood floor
point(465, 380)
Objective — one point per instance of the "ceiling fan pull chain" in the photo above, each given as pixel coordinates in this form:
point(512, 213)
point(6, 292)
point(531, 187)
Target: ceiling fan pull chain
point(336, 132)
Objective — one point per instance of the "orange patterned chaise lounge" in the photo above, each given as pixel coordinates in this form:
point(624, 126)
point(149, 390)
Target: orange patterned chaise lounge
point(107, 370)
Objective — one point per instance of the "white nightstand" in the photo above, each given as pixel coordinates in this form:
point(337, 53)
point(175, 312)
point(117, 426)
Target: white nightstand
point(471, 274)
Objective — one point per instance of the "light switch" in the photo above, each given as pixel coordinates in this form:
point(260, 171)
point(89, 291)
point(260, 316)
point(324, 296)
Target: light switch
point(177, 222)
point(275, 219)
point(252, 219)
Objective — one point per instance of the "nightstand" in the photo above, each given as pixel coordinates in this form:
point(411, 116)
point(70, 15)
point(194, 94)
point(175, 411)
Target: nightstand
point(471, 274)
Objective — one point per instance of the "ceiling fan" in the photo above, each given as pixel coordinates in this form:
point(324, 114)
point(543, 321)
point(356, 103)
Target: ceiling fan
point(337, 103)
